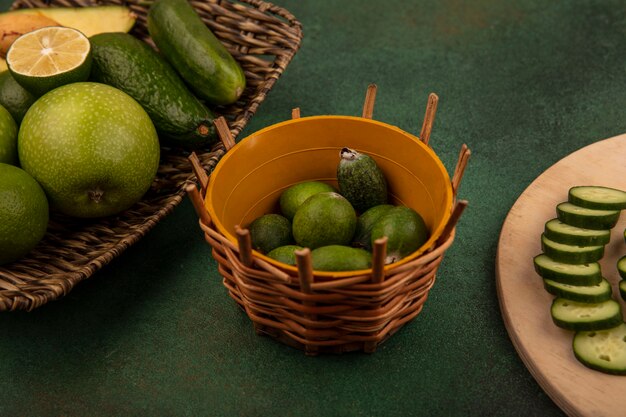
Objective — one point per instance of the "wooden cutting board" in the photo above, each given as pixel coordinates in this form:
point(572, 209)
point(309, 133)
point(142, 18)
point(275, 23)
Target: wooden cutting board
point(546, 349)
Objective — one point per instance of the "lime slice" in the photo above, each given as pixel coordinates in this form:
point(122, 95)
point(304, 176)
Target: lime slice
point(48, 58)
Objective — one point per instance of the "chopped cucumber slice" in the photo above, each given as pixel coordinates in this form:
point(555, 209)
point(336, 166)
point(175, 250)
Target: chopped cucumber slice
point(585, 217)
point(583, 274)
point(572, 315)
point(621, 267)
point(596, 197)
point(603, 350)
point(560, 232)
point(570, 254)
point(622, 289)
point(581, 293)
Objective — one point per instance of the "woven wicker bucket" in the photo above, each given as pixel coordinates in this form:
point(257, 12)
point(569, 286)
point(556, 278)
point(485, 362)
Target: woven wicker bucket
point(327, 311)
point(263, 38)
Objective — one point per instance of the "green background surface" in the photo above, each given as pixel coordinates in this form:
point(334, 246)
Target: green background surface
point(523, 83)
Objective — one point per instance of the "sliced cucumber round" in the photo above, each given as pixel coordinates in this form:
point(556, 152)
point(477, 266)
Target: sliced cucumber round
point(597, 197)
point(560, 232)
point(581, 293)
point(621, 267)
point(586, 218)
point(622, 289)
point(603, 350)
point(571, 254)
point(572, 315)
point(583, 274)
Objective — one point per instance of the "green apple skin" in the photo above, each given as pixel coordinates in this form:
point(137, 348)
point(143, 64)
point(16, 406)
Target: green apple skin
point(93, 149)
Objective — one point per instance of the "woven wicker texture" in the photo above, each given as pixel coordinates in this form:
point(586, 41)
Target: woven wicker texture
point(263, 38)
point(327, 316)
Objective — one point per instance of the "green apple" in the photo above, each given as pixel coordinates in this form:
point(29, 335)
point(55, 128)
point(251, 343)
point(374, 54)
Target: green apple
point(93, 149)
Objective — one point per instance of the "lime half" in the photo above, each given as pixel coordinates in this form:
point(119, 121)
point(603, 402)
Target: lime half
point(49, 57)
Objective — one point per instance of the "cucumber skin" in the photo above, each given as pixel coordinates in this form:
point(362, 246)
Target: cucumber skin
point(576, 200)
point(572, 239)
point(621, 267)
point(589, 326)
point(194, 51)
point(565, 278)
point(124, 62)
point(361, 181)
point(581, 298)
point(572, 258)
point(587, 222)
point(622, 289)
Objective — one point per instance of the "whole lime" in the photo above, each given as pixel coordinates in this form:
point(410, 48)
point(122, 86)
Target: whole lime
point(23, 213)
point(8, 137)
point(324, 219)
point(269, 232)
point(92, 147)
point(297, 194)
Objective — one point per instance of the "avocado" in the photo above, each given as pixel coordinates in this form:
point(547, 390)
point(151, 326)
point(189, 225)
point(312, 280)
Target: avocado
point(340, 258)
point(324, 219)
point(361, 181)
point(124, 62)
point(405, 230)
point(194, 51)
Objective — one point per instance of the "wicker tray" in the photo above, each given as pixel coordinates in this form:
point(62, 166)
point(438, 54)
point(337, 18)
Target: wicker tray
point(264, 39)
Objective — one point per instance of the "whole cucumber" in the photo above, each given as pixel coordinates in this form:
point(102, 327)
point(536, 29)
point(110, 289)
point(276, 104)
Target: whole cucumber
point(128, 64)
point(192, 49)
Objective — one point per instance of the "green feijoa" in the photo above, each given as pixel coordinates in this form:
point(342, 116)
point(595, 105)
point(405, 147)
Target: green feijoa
point(14, 97)
point(269, 232)
point(364, 224)
point(285, 254)
point(297, 194)
point(340, 258)
point(360, 180)
point(405, 231)
point(324, 219)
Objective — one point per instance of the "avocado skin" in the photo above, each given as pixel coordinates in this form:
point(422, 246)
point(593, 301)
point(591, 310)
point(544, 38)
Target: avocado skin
point(194, 51)
point(126, 63)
